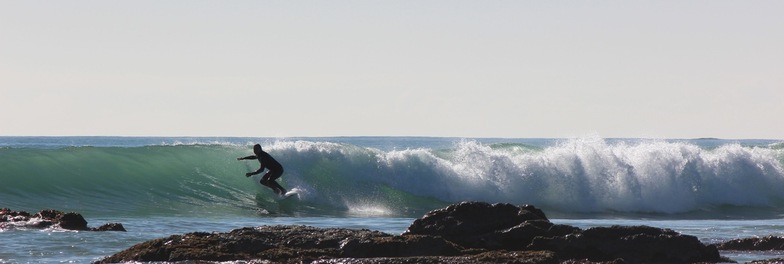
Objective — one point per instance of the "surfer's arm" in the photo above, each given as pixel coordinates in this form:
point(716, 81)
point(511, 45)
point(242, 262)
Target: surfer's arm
point(247, 158)
point(255, 172)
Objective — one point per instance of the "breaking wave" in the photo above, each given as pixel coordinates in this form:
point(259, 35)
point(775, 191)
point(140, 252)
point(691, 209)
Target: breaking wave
point(574, 176)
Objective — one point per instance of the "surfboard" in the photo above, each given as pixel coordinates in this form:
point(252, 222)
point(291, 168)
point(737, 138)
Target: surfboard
point(287, 195)
point(292, 193)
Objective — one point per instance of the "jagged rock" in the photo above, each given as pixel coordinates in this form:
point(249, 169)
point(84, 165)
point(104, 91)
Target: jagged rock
point(768, 261)
point(753, 243)
point(520, 237)
point(283, 243)
point(483, 225)
point(398, 246)
point(511, 257)
point(72, 221)
point(47, 218)
point(505, 226)
point(6, 215)
point(633, 244)
point(468, 232)
point(110, 227)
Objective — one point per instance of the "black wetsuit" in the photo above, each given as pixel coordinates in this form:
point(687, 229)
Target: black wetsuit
point(275, 171)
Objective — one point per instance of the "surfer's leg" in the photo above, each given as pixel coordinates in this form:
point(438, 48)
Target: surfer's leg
point(273, 175)
point(275, 185)
point(265, 180)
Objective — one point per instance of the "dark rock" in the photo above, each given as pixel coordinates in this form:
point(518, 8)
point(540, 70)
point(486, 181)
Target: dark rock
point(110, 227)
point(468, 232)
point(307, 244)
point(768, 261)
point(520, 236)
point(483, 225)
point(753, 243)
point(6, 215)
point(586, 261)
point(48, 218)
point(634, 244)
point(398, 246)
point(40, 224)
point(268, 242)
point(513, 257)
point(72, 221)
point(48, 214)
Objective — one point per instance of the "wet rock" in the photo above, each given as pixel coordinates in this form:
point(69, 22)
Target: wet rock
point(489, 226)
point(398, 246)
point(509, 227)
point(72, 221)
point(6, 215)
point(110, 227)
point(633, 244)
point(468, 232)
point(512, 257)
point(284, 243)
point(48, 218)
point(753, 243)
point(768, 261)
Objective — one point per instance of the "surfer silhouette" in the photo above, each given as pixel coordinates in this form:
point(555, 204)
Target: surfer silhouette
point(274, 167)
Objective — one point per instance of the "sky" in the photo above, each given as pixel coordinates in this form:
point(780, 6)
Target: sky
point(520, 69)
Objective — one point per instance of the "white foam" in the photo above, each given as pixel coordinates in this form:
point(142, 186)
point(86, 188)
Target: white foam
point(576, 175)
point(588, 174)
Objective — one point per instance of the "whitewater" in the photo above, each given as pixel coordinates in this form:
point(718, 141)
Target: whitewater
point(161, 185)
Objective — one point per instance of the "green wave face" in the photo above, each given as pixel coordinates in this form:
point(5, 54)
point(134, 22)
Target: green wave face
point(574, 176)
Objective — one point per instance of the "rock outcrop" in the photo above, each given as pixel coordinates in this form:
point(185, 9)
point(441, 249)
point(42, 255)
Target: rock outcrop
point(304, 243)
point(768, 261)
point(634, 244)
point(468, 232)
point(509, 227)
point(753, 244)
point(490, 226)
point(51, 218)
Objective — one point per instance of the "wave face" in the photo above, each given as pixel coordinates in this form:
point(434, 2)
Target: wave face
point(575, 176)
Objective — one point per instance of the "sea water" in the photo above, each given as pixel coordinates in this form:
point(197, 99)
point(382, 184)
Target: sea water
point(713, 189)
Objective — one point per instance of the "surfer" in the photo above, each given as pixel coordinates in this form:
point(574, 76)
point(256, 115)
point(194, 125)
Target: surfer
point(274, 167)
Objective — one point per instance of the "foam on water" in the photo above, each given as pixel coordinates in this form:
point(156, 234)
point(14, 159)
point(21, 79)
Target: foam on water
point(583, 175)
point(163, 186)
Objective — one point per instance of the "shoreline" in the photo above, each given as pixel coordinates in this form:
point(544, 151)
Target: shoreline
point(554, 243)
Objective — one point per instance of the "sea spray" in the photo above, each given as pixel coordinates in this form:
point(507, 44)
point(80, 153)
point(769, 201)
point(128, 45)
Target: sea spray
point(581, 175)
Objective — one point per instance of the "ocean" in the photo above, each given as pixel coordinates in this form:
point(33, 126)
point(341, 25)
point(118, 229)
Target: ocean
point(714, 189)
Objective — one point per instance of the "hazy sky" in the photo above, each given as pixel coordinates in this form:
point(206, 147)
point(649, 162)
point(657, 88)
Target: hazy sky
point(664, 69)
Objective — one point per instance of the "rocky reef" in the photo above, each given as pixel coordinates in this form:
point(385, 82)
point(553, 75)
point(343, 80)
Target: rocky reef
point(768, 261)
point(767, 243)
point(467, 232)
point(51, 218)
point(753, 243)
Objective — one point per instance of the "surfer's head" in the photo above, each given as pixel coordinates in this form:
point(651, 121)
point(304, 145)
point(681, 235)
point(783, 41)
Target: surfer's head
point(257, 148)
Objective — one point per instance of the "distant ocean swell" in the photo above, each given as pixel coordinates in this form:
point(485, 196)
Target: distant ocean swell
point(586, 175)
